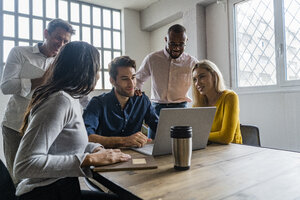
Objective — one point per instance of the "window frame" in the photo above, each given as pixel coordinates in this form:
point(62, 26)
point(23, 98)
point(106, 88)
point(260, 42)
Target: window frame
point(282, 84)
point(80, 24)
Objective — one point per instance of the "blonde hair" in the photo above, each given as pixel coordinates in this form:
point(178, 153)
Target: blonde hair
point(201, 100)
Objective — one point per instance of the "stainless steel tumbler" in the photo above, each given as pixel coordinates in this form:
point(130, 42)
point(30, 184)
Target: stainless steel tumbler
point(181, 146)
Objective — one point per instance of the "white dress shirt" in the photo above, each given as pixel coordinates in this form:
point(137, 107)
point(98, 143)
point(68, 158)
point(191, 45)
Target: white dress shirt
point(170, 78)
point(16, 81)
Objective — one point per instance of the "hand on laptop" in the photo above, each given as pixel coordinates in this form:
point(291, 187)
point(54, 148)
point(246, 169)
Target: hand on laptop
point(136, 140)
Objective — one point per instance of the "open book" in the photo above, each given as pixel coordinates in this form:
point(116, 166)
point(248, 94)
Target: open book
point(135, 163)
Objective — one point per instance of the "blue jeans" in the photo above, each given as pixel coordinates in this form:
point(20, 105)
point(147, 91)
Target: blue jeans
point(158, 107)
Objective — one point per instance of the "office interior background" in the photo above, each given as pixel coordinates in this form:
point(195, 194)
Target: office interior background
point(255, 43)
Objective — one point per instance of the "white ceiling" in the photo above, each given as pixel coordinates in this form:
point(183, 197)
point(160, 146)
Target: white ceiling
point(120, 4)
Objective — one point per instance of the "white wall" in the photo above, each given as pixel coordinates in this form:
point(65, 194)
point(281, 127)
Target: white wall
point(217, 38)
point(136, 42)
point(164, 12)
point(277, 116)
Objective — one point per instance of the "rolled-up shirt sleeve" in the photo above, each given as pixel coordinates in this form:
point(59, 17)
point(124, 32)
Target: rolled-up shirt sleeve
point(143, 73)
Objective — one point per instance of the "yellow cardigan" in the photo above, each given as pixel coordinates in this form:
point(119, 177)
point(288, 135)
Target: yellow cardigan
point(226, 124)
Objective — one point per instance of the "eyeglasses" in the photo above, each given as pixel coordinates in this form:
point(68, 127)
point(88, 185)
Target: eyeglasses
point(174, 45)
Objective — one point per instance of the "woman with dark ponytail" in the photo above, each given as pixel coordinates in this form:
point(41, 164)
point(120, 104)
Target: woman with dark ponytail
point(54, 149)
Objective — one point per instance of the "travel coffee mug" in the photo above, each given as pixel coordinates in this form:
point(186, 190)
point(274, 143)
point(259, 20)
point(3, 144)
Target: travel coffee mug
point(181, 137)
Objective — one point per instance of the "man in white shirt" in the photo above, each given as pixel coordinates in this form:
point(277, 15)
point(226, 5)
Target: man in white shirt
point(170, 70)
point(23, 72)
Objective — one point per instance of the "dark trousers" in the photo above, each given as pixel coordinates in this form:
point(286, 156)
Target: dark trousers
point(65, 189)
point(158, 107)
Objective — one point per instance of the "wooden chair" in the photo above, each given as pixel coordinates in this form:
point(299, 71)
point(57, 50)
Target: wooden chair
point(7, 187)
point(250, 135)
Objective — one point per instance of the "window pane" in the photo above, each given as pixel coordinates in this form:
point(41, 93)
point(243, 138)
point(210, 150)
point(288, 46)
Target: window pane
point(107, 59)
point(8, 29)
point(116, 20)
point(100, 53)
point(37, 29)
point(88, 27)
point(106, 18)
point(23, 27)
point(37, 8)
point(50, 9)
point(86, 34)
point(97, 37)
point(9, 5)
point(63, 10)
point(74, 12)
point(86, 16)
point(96, 16)
point(23, 43)
point(47, 22)
point(76, 36)
point(106, 39)
point(7, 46)
point(24, 6)
point(117, 40)
point(107, 84)
point(255, 43)
point(117, 54)
point(292, 38)
point(99, 83)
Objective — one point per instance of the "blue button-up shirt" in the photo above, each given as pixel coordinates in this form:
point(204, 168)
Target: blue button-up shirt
point(104, 116)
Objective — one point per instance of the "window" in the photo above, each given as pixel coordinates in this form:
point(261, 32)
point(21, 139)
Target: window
point(266, 37)
point(24, 25)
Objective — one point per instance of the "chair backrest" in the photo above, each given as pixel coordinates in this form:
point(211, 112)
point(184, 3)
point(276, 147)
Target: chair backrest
point(250, 135)
point(91, 185)
point(7, 187)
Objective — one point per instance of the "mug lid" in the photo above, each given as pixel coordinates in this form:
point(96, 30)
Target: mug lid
point(181, 131)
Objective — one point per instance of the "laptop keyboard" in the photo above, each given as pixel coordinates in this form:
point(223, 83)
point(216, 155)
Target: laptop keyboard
point(147, 149)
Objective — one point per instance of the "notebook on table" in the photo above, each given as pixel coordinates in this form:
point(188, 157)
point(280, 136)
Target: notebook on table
point(135, 163)
point(200, 119)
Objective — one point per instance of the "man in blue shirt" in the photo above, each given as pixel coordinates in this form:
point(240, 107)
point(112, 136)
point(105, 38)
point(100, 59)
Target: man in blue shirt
point(115, 119)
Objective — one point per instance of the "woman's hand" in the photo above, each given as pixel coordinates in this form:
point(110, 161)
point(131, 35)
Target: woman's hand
point(105, 157)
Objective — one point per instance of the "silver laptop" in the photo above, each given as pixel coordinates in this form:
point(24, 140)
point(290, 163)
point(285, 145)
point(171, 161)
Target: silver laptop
point(200, 119)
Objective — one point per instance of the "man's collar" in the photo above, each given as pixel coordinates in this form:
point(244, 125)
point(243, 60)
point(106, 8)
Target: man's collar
point(112, 92)
point(166, 53)
point(36, 48)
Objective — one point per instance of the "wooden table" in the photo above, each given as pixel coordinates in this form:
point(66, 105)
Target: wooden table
point(217, 172)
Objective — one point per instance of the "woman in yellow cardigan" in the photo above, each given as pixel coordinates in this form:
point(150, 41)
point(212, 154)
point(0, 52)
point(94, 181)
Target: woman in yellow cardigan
point(209, 90)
